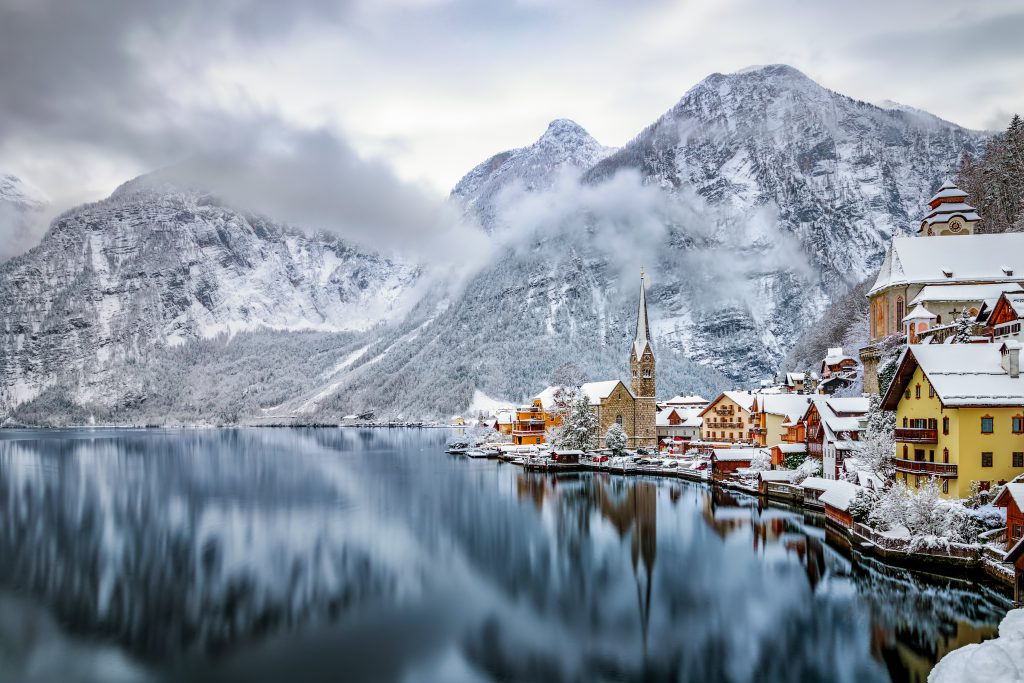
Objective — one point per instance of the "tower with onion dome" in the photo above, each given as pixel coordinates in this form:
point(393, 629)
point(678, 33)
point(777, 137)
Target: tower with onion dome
point(949, 213)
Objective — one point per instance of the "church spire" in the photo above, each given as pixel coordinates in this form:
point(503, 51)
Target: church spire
point(643, 330)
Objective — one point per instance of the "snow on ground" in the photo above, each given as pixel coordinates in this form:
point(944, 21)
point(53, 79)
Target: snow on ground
point(482, 403)
point(1000, 660)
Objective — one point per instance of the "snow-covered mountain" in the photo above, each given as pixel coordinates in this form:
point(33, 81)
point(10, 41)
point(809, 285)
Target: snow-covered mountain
point(565, 148)
point(153, 266)
point(755, 201)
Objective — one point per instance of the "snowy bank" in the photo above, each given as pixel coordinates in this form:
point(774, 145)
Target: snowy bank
point(1000, 660)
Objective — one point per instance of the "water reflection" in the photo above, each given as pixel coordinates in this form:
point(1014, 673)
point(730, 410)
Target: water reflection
point(371, 555)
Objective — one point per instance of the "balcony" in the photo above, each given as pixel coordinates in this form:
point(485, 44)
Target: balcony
point(917, 435)
point(939, 469)
point(726, 425)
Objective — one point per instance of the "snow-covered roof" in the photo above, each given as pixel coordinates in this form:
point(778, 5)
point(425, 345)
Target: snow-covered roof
point(791, 406)
point(947, 191)
point(817, 483)
point(791, 447)
point(744, 399)
point(1013, 490)
point(777, 475)
point(1016, 302)
point(978, 258)
point(690, 400)
point(504, 418)
point(849, 404)
point(946, 210)
point(547, 397)
point(794, 378)
point(919, 312)
point(737, 454)
point(835, 356)
point(839, 495)
point(596, 391)
point(982, 292)
point(962, 375)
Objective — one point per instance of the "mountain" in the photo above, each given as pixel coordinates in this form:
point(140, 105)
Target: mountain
point(153, 267)
point(564, 148)
point(754, 202)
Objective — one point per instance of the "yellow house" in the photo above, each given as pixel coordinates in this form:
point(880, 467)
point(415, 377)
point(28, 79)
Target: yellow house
point(728, 418)
point(532, 421)
point(959, 415)
point(774, 414)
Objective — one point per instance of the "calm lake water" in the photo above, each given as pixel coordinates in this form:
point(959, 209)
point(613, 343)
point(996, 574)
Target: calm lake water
point(370, 555)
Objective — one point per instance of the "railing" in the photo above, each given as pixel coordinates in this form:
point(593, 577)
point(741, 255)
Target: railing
point(726, 425)
point(958, 550)
point(917, 435)
point(925, 467)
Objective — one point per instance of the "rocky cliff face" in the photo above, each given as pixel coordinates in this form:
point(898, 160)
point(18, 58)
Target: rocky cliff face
point(155, 267)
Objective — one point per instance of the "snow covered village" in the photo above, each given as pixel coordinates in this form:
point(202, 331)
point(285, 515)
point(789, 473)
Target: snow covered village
point(518, 341)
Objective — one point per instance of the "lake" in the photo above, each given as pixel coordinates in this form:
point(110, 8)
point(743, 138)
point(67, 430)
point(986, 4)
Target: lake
point(371, 555)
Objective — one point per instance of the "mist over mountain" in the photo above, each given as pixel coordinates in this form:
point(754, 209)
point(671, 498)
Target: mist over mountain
point(754, 202)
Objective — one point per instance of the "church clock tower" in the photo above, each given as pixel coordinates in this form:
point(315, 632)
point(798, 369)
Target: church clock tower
point(642, 376)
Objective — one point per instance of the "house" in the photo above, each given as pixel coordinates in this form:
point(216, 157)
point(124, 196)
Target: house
point(836, 500)
point(725, 461)
point(766, 477)
point(1012, 498)
point(728, 418)
point(959, 415)
point(813, 487)
point(914, 263)
point(943, 304)
point(833, 426)
point(773, 413)
point(504, 420)
point(679, 424)
point(530, 423)
point(837, 370)
point(780, 451)
point(1004, 321)
point(795, 383)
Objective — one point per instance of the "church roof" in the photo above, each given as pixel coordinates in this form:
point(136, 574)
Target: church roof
point(919, 313)
point(983, 292)
point(978, 258)
point(643, 330)
point(947, 191)
point(597, 391)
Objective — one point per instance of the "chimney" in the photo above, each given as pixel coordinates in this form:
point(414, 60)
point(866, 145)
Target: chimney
point(1010, 351)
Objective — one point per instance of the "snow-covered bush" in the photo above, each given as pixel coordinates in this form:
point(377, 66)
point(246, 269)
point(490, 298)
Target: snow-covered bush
point(808, 468)
point(762, 460)
point(891, 508)
point(862, 505)
point(876, 452)
point(927, 513)
point(616, 439)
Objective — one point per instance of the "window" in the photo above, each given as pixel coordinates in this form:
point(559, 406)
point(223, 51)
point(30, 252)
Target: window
point(931, 391)
point(906, 452)
point(917, 391)
point(931, 456)
point(987, 425)
point(905, 419)
point(1018, 425)
point(919, 454)
point(945, 425)
point(618, 420)
point(986, 459)
point(906, 394)
point(932, 423)
point(1017, 530)
point(945, 455)
point(1018, 459)
point(899, 311)
point(945, 485)
point(647, 373)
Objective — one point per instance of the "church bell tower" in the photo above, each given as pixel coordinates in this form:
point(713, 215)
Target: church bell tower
point(642, 375)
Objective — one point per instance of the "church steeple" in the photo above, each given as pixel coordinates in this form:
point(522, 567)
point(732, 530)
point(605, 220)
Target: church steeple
point(642, 339)
point(641, 355)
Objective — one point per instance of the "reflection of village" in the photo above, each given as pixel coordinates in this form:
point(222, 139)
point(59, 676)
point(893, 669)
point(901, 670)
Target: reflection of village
point(906, 649)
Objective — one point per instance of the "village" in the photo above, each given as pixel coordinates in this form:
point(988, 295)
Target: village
point(913, 451)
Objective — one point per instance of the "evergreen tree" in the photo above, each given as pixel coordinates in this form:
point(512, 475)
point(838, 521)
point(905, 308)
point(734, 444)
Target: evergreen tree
point(877, 450)
point(964, 328)
point(616, 438)
point(579, 427)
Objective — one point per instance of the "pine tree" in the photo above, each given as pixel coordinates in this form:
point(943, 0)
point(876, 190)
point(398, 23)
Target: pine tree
point(616, 438)
point(963, 332)
point(579, 427)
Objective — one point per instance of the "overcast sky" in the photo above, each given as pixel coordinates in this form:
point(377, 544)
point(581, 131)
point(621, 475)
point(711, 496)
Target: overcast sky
point(93, 93)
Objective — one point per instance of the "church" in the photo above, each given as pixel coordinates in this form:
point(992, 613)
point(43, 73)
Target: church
point(633, 406)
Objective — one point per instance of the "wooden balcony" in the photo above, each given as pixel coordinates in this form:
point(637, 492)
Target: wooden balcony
point(938, 469)
point(917, 435)
point(726, 425)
